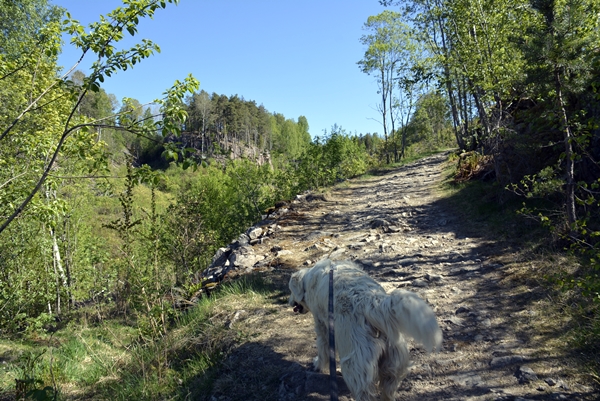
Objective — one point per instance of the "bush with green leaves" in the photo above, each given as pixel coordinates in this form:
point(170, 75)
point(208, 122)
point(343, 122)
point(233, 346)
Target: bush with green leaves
point(333, 158)
point(52, 155)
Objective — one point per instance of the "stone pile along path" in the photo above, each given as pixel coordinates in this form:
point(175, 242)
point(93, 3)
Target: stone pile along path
point(400, 229)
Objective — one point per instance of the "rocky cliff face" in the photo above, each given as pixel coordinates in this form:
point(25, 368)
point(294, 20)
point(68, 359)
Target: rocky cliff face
point(222, 150)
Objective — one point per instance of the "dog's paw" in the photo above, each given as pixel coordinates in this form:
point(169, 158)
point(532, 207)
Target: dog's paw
point(317, 365)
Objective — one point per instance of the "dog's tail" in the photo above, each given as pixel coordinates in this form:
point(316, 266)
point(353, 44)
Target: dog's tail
point(404, 311)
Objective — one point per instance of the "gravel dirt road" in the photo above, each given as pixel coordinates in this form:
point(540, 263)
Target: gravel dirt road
point(405, 235)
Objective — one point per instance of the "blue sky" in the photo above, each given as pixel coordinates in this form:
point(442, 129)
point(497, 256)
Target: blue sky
point(294, 57)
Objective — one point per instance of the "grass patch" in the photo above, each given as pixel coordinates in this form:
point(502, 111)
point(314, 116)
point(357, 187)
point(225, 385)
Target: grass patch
point(113, 360)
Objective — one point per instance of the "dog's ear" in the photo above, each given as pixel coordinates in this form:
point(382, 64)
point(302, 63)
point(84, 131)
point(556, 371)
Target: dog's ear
point(297, 286)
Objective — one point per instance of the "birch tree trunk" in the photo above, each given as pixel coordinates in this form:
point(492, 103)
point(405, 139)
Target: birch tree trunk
point(58, 270)
point(570, 169)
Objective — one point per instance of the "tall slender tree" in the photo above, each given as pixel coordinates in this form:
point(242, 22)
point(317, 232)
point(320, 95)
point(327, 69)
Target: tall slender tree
point(383, 54)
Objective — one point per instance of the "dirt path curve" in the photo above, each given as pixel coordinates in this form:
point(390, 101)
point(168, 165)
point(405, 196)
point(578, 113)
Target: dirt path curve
point(404, 235)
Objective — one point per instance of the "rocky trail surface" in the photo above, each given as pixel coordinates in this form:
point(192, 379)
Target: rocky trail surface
point(405, 235)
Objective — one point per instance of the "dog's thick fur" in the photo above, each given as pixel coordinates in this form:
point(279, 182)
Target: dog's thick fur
point(369, 326)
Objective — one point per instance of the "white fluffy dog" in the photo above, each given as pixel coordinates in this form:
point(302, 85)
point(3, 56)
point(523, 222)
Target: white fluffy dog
point(369, 325)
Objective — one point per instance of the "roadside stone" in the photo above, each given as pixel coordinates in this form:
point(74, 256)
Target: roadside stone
point(461, 309)
point(550, 382)
point(245, 261)
point(283, 252)
point(243, 240)
point(245, 250)
point(254, 233)
point(220, 257)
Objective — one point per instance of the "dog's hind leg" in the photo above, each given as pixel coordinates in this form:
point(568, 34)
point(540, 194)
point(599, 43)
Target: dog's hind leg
point(359, 354)
point(393, 366)
point(320, 363)
point(359, 375)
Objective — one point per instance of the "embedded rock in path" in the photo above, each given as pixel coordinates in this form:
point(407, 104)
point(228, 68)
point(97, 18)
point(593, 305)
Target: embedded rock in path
point(461, 309)
point(377, 223)
point(525, 375)
point(433, 278)
point(468, 380)
point(500, 361)
point(419, 283)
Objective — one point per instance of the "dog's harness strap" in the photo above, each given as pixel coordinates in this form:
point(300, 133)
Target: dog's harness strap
point(332, 368)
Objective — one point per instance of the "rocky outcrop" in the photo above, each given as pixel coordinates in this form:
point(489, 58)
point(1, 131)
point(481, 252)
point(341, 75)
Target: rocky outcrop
point(242, 255)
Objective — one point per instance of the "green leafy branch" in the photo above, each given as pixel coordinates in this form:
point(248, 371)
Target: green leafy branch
point(100, 41)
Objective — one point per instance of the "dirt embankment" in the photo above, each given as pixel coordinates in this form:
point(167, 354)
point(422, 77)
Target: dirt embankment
point(405, 235)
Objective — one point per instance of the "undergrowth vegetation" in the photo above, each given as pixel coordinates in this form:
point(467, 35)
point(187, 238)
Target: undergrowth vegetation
point(116, 359)
point(540, 255)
